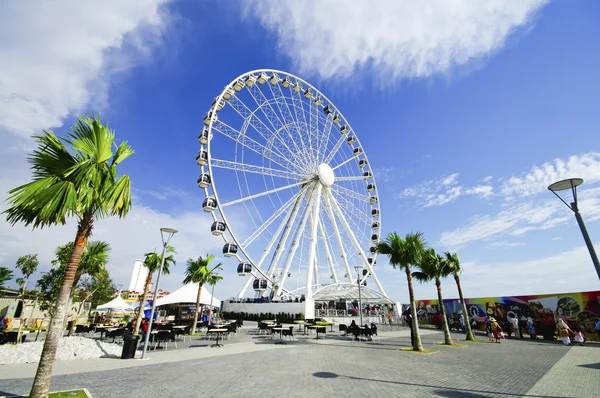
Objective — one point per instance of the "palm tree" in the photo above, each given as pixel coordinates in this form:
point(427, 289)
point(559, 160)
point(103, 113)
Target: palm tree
point(402, 254)
point(198, 271)
point(152, 263)
point(434, 267)
point(75, 176)
point(455, 269)
point(5, 275)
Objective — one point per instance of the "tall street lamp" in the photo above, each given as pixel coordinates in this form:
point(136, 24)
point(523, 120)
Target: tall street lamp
point(572, 184)
point(168, 234)
point(358, 269)
point(212, 295)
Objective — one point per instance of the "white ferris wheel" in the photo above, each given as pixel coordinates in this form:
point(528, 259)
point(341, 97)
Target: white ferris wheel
point(289, 187)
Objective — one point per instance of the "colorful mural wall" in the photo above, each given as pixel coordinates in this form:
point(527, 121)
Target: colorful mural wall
point(580, 310)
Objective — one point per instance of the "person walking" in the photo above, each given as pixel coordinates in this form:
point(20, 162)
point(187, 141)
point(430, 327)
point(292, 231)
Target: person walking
point(408, 319)
point(563, 331)
point(390, 316)
point(531, 328)
point(488, 328)
point(514, 321)
point(496, 330)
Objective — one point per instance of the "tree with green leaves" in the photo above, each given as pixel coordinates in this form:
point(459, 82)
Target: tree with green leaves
point(27, 265)
point(73, 176)
point(199, 271)
point(453, 263)
point(434, 267)
point(152, 263)
point(404, 253)
point(5, 275)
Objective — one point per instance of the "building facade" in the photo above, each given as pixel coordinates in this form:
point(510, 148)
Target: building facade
point(138, 277)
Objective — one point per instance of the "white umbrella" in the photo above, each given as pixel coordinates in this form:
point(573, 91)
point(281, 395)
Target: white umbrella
point(116, 304)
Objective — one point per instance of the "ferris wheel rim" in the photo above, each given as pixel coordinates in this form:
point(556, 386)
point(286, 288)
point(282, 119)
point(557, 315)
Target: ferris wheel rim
point(220, 215)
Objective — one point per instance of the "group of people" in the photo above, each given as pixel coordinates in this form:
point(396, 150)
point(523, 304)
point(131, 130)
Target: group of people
point(496, 333)
point(354, 329)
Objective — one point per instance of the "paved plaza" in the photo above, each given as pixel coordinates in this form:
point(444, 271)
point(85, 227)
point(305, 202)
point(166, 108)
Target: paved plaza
point(253, 366)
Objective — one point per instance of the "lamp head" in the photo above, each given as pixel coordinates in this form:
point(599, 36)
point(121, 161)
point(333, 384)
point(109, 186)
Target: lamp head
point(563, 185)
point(169, 230)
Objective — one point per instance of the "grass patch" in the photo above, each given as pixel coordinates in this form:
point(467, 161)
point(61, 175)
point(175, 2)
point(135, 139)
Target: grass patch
point(197, 335)
point(451, 345)
point(409, 349)
point(474, 341)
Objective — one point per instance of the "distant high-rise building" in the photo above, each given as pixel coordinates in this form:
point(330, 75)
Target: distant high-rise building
point(138, 277)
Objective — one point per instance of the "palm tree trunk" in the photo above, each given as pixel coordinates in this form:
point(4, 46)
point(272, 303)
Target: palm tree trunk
point(142, 303)
point(447, 337)
point(417, 346)
point(197, 308)
point(41, 383)
point(464, 307)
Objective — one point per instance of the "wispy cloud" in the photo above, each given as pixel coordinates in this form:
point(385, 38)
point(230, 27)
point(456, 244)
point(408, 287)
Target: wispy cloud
point(440, 191)
point(520, 219)
point(395, 38)
point(505, 244)
point(529, 184)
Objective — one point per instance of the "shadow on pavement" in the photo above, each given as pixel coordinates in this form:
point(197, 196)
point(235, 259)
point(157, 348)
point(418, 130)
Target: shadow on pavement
point(442, 391)
point(590, 366)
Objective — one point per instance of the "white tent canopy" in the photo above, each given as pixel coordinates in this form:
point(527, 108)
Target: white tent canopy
point(116, 304)
point(188, 294)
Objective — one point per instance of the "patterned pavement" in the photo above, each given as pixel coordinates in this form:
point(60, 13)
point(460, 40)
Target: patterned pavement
point(253, 366)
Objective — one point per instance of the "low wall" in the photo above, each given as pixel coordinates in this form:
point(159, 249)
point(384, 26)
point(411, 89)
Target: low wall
point(257, 308)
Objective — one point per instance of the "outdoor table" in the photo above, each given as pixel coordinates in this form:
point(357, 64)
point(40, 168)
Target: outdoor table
point(316, 327)
point(331, 324)
point(179, 327)
point(280, 330)
point(299, 322)
point(268, 322)
point(219, 332)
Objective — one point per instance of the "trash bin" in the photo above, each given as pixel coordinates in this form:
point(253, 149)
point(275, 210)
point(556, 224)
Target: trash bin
point(130, 342)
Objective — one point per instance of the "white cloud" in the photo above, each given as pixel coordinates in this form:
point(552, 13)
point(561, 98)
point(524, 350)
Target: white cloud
point(538, 179)
point(505, 244)
point(483, 191)
point(520, 219)
point(385, 174)
point(51, 53)
point(488, 179)
point(399, 39)
point(539, 276)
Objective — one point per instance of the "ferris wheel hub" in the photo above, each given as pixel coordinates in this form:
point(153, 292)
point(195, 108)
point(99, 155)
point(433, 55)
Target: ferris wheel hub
point(326, 176)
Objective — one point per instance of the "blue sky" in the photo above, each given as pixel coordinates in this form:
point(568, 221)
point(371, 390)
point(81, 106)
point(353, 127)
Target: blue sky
point(465, 113)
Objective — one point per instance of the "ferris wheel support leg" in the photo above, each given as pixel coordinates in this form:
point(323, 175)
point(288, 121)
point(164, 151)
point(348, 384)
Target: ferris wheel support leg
point(294, 245)
point(338, 236)
point(328, 252)
point(355, 242)
point(283, 240)
point(309, 307)
point(268, 248)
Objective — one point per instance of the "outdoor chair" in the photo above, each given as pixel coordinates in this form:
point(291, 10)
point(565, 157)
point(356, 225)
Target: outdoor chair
point(232, 329)
point(262, 328)
point(162, 336)
point(289, 333)
point(116, 334)
point(343, 328)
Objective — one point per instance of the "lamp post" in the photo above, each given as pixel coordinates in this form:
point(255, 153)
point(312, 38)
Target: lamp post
point(358, 269)
point(212, 294)
point(572, 184)
point(169, 232)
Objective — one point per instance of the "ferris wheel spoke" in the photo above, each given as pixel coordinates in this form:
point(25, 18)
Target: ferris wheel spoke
point(355, 178)
point(344, 162)
point(258, 195)
point(267, 109)
point(289, 119)
point(338, 237)
point(261, 128)
point(300, 117)
point(361, 254)
point(249, 143)
point(327, 252)
point(335, 149)
point(275, 215)
point(352, 194)
point(247, 168)
point(351, 213)
point(325, 134)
